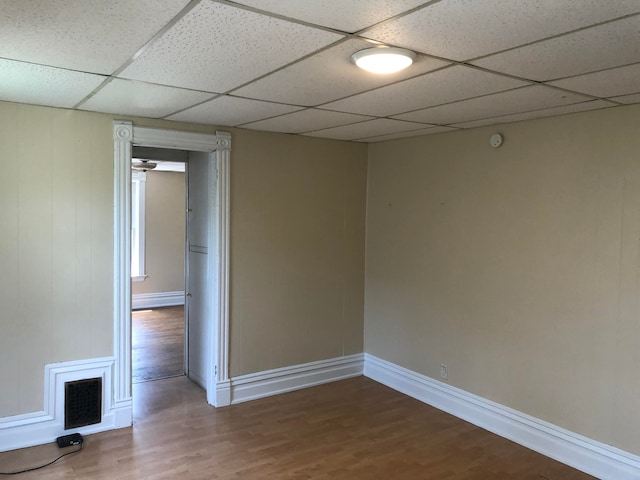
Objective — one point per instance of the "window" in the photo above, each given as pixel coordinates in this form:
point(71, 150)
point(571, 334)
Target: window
point(138, 184)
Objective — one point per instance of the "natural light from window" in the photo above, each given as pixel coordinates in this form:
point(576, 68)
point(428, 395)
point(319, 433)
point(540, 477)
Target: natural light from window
point(138, 184)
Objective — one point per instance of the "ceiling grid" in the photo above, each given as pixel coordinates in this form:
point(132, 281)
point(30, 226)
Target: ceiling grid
point(285, 65)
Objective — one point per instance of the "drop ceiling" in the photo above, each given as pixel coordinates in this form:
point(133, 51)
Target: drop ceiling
point(284, 65)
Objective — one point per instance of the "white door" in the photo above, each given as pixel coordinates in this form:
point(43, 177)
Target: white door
point(198, 285)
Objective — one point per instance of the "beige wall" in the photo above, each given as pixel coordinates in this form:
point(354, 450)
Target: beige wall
point(517, 267)
point(165, 233)
point(56, 247)
point(297, 250)
point(297, 231)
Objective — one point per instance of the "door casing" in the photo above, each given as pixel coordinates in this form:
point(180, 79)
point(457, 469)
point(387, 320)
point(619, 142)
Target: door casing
point(125, 134)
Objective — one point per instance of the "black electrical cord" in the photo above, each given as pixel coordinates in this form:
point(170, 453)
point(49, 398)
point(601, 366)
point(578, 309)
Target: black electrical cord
point(46, 465)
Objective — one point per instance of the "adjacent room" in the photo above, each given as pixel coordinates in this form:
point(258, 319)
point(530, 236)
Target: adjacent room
point(158, 249)
point(231, 251)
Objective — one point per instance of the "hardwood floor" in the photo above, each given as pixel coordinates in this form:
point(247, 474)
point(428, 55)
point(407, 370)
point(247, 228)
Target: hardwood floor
point(349, 430)
point(157, 338)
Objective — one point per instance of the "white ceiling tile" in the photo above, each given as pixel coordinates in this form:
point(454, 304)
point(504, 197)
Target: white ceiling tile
point(607, 83)
point(347, 16)
point(635, 98)
point(327, 76)
point(412, 133)
point(371, 128)
point(40, 85)
point(444, 86)
point(547, 112)
point(217, 47)
point(464, 29)
point(89, 35)
point(606, 46)
point(306, 121)
point(276, 63)
point(231, 111)
point(523, 99)
point(128, 97)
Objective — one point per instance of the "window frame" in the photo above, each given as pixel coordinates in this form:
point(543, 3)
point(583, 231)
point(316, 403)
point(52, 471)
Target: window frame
point(138, 207)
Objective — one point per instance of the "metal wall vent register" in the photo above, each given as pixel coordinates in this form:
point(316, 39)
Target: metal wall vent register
point(82, 403)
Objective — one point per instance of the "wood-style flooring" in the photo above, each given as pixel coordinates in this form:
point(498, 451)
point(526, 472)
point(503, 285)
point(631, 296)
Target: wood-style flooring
point(349, 430)
point(157, 337)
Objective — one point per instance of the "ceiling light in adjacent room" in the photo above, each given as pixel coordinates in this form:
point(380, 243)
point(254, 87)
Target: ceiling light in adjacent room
point(383, 59)
point(143, 165)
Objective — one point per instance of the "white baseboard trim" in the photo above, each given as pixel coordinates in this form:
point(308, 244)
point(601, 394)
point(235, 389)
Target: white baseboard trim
point(280, 380)
point(37, 428)
point(595, 458)
point(221, 395)
point(157, 300)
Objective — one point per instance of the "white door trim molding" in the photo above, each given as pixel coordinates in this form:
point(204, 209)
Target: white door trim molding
point(125, 134)
point(122, 138)
point(217, 390)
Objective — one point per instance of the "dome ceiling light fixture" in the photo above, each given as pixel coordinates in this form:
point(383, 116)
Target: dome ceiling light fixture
point(383, 60)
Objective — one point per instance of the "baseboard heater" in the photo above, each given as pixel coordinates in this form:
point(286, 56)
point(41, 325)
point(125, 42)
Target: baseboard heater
point(82, 403)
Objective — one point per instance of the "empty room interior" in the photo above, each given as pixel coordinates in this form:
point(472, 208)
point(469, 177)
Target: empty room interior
point(431, 271)
point(158, 249)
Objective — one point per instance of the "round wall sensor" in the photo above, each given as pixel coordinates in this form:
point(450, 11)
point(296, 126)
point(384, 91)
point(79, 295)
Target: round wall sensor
point(496, 140)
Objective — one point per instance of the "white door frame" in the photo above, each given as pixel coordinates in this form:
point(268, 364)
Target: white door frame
point(125, 134)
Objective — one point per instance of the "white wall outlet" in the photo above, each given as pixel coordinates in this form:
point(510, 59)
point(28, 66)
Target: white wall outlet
point(443, 371)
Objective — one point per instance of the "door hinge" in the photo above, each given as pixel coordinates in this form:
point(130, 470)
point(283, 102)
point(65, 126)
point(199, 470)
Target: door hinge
point(215, 370)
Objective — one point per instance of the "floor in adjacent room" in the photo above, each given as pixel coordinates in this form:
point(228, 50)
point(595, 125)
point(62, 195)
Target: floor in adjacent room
point(349, 430)
point(157, 337)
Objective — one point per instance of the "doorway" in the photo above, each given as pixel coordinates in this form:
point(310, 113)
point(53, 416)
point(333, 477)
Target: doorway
point(158, 343)
point(216, 147)
point(158, 237)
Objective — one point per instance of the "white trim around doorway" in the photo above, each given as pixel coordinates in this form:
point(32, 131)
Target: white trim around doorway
point(125, 134)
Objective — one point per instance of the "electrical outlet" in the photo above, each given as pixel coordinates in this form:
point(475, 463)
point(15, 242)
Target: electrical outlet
point(443, 371)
